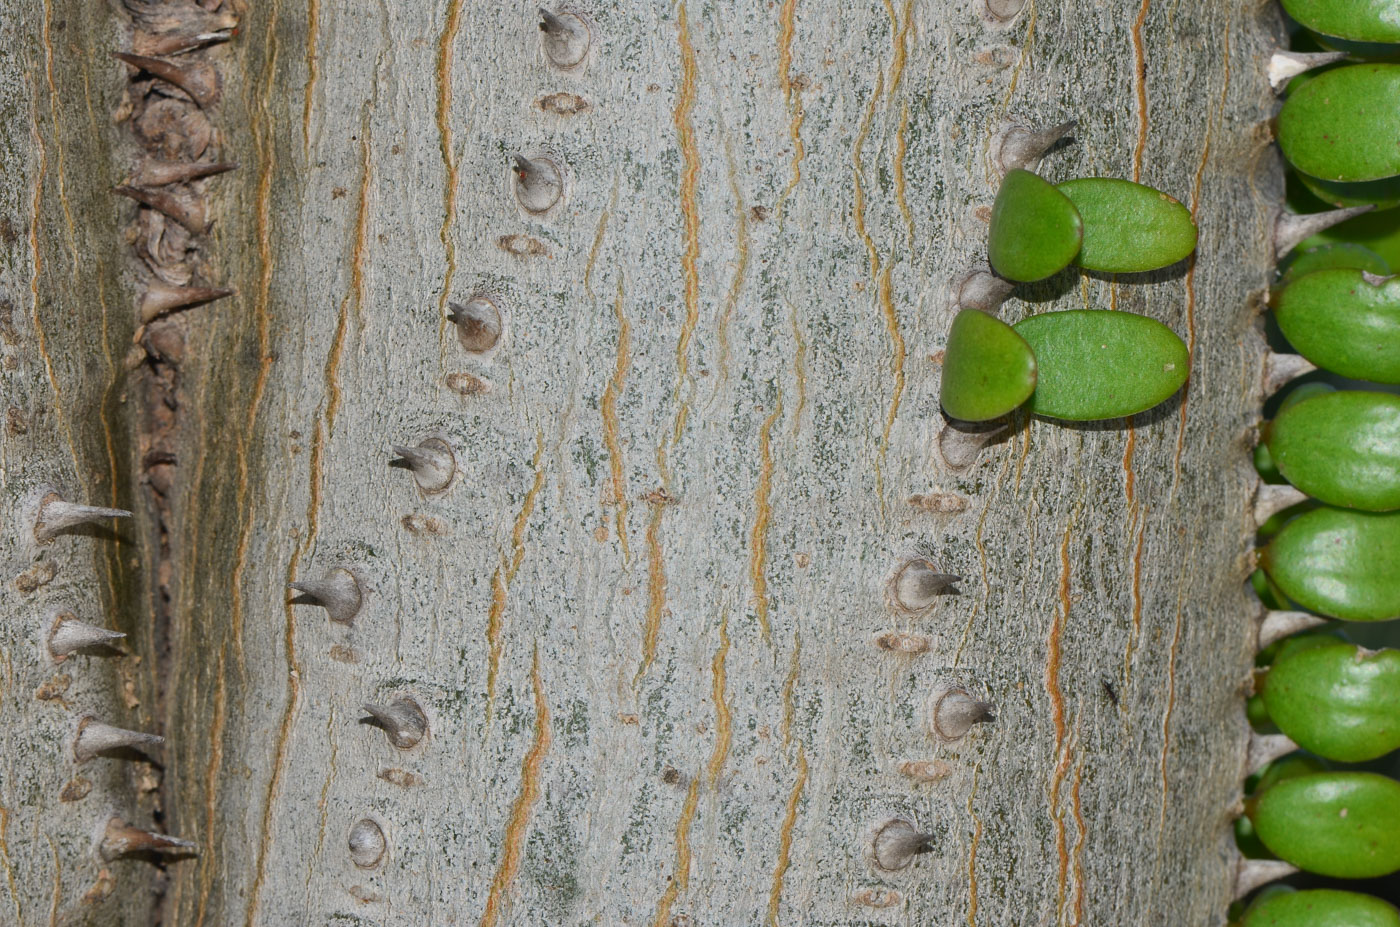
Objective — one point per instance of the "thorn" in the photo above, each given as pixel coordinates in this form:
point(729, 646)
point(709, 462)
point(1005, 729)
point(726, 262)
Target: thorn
point(1023, 147)
point(1280, 368)
point(953, 712)
point(1286, 65)
point(69, 635)
point(189, 214)
point(1265, 748)
point(55, 515)
point(1376, 279)
point(1278, 625)
point(401, 719)
point(479, 324)
point(1272, 499)
point(161, 297)
point(538, 184)
point(1292, 229)
point(915, 586)
point(120, 839)
point(97, 739)
point(183, 42)
point(959, 444)
point(199, 80)
point(979, 288)
point(895, 844)
point(338, 592)
point(161, 173)
point(1252, 873)
point(565, 38)
point(432, 463)
point(367, 844)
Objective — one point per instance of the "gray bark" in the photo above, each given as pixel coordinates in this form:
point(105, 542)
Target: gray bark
point(643, 619)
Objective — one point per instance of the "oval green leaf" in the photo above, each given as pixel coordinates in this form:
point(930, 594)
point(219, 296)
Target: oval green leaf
point(1344, 323)
point(1339, 562)
point(1341, 824)
point(1339, 256)
point(1035, 230)
point(1128, 227)
point(1358, 20)
point(1321, 907)
point(1339, 701)
point(1342, 448)
point(988, 369)
point(1383, 194)
point(1344, 124)
point(1095, 364)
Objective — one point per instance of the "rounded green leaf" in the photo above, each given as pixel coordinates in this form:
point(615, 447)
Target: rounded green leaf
point(1344, 124)
point(1382, 194)
point(1343, 322)
point(1359, 20)
point(1292, 766)
point(1341, 824)
point(1322, 636)
point(1268, 593)
point(1257, 714)
point(1341, 255)
point(1035, 230)
point(1321, 907)
point(1340, 701)
point(1339, 562)
point(1128, 227)
point(988, 369)
point(1095, 364)
point(1342, 448)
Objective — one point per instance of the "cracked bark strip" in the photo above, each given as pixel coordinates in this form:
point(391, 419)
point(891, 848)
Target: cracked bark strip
point(169, 109)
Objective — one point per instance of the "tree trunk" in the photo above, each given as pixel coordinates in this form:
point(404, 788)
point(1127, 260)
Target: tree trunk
point(645, 621)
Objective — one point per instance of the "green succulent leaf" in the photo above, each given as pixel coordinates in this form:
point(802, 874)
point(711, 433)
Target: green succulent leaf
point(1268, 594)
point(1342, 448)
point(1338, 256)
point(988, 369)
point(1321, 907)
point(1340, 824)
point(1129, 227)
point(1342, 322)
point(1338, 701)
point(1343, 125)
point(1339, 562)
point(1322, 636)
point(1096, 364)
point(1035, 230)
point(1359, 20)
point(1382, 194)
point(1283, 769)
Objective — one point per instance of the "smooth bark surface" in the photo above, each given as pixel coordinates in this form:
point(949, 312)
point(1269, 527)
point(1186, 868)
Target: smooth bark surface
point(647, 621)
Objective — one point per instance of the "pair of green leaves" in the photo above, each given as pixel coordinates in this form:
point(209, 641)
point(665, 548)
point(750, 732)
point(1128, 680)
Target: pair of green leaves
point(1319, 907)
point(1339, 562)
point(1079, 365)
point(1339, 131)
point(1341, 448)
point(1337, 700)
point(1343, 321)
point(1340, 824)
point(1103, 224)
